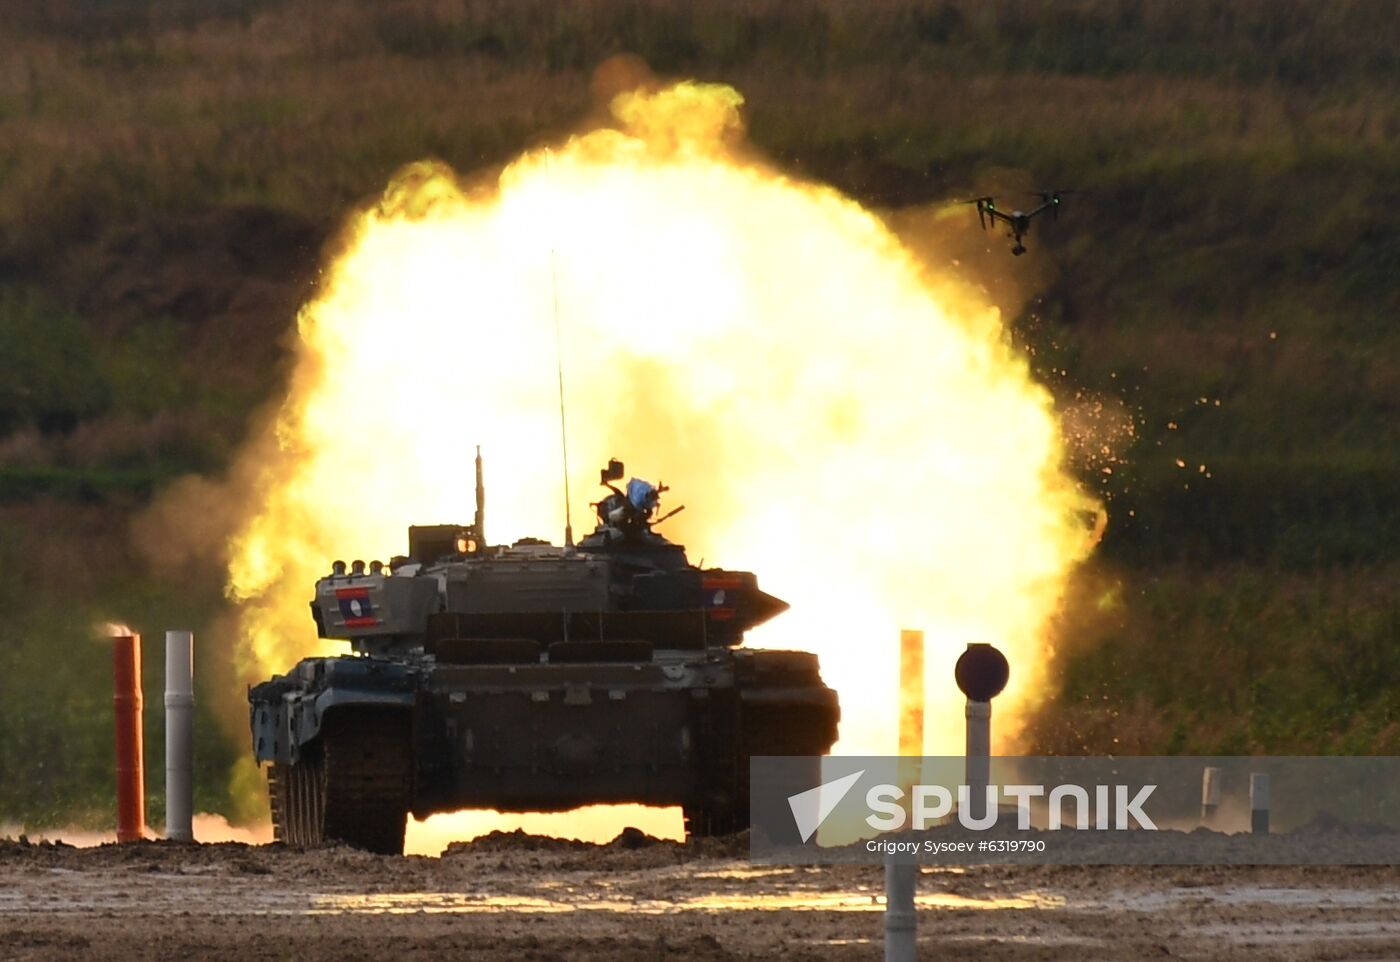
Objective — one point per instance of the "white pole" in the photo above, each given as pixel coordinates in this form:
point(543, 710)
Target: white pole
point(902, 878)
point(1259, 803)
point(901, 937)
point(1210, 795)
point(179, 735)
point(979, 756)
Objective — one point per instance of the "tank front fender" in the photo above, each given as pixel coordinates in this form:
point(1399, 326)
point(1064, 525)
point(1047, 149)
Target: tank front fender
point(282, 728)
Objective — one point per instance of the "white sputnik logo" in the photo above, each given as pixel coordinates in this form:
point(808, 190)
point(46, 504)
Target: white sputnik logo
point(810, 808)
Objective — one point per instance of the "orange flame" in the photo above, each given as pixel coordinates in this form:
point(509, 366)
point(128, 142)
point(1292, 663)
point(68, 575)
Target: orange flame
point(836, 416)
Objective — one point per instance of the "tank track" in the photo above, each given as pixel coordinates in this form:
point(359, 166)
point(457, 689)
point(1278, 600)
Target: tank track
point(731, 734)
point(353, 785)
point(723, 808)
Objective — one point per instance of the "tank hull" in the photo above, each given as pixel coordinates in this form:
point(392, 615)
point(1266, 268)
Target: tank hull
point(676, 729)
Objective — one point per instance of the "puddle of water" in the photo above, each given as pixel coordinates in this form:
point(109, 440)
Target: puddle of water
point(1306, 932)
point(1245, 895)
point(865, 902)
point(205, 895)
point(407, 903)
point(1307, 897)
point(744, 873)
point(397, 903)
point(1023, 900)
point(1002, 937)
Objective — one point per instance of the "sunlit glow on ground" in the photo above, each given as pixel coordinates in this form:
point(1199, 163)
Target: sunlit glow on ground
point(593, 823)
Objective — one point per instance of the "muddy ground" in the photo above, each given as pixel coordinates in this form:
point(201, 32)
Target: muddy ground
point(524, 897)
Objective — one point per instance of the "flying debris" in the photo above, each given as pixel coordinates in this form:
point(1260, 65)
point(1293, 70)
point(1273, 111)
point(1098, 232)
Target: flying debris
point(1018, 222)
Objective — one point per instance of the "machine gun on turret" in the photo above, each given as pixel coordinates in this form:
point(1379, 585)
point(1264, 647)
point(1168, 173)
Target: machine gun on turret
point(629, 513)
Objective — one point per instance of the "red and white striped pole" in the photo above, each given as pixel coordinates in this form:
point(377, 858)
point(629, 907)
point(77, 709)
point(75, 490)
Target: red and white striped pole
point(131, 792)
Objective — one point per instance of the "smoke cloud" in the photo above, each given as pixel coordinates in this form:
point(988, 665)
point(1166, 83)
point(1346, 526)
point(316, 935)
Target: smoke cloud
point(839, 415)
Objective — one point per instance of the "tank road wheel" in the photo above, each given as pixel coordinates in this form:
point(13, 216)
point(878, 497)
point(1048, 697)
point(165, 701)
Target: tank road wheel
point(352, 785)
point(277, 800)
point(297, 794)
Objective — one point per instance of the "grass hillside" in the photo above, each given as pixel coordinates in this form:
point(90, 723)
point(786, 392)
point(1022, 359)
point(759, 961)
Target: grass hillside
point(1227, 278)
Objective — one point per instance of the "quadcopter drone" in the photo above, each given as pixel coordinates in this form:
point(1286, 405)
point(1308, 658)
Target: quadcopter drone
point(1018, 222)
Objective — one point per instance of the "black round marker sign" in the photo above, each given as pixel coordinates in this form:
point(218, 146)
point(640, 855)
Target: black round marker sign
point(982, 672)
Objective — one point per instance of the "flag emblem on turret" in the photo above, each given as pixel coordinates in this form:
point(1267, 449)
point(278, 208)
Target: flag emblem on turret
point(355, 607)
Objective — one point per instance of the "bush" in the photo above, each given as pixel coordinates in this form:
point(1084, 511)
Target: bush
point(51, 376)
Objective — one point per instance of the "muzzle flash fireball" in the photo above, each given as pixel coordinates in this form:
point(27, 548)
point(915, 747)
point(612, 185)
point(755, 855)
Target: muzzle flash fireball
point(847, 419)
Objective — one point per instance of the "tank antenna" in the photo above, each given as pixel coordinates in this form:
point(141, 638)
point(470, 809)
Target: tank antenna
point(563, 424)
point(559, 367)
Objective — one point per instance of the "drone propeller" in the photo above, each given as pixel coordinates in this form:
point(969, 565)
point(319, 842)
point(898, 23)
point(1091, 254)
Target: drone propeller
point(1051, 199)
point(985, 206)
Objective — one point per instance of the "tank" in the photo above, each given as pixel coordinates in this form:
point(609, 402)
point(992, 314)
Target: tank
point(532, 677)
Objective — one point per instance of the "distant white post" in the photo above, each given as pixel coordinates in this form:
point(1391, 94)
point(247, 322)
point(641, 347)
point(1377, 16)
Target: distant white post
point(179, 736)
point(1210, 795)
point(901, 924)
point(901, 878)
point(979, 756)
point(1259, 803)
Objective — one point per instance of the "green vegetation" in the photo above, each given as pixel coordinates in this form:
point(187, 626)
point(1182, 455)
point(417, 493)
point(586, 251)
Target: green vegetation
point(1228, 281)
point(52, 382)
point(1236, 660)
point(68, 569)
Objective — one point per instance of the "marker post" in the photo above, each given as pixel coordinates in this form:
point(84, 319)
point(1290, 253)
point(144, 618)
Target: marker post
point(131, 765)
point(1259, 803)
point(901, 878)
point(179, 736)
point(981, 672)
point(1210, 795)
